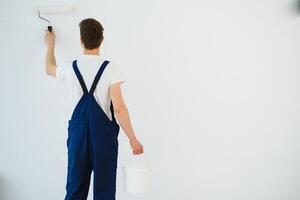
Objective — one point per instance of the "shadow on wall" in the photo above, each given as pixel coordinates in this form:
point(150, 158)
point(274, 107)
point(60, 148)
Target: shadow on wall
point(294, 7)
point(4, 189)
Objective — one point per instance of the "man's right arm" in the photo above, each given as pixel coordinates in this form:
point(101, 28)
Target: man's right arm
point(122, 114)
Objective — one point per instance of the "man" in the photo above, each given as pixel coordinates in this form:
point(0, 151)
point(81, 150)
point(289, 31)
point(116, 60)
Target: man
point(92, 141)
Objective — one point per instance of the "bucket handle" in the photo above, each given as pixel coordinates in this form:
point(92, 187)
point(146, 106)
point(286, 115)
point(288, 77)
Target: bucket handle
point(145, 158)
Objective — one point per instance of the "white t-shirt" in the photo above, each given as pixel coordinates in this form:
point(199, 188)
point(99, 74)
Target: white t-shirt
point(88, 66)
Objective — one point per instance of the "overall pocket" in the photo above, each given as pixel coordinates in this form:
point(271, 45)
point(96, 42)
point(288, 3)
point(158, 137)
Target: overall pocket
point(76, 129)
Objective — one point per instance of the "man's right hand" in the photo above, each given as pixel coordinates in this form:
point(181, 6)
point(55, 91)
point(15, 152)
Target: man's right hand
point(136, 146)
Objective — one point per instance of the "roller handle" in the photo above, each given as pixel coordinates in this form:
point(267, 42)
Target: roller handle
point(50, 28)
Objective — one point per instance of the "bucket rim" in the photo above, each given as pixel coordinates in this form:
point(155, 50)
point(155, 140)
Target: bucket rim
point(135, 169)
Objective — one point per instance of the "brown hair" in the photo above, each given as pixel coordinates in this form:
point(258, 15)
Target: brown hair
point(91, 33)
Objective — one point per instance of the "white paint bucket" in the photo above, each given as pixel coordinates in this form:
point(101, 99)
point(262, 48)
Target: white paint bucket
point(137, 177)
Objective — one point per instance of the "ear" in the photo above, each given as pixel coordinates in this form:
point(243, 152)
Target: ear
point(82, 45)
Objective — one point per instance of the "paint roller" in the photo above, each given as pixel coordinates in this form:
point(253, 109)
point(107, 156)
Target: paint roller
point(52, 10)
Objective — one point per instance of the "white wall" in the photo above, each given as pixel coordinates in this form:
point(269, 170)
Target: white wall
point(212, 87)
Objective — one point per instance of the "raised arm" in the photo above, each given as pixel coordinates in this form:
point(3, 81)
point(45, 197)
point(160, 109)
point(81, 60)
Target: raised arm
point(122, 114)
point(50, 61)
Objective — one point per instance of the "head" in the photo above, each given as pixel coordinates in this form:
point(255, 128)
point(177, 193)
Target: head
point(91, 34)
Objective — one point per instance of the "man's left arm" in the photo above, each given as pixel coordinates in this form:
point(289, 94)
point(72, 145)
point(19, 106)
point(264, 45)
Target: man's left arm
point(50, 62)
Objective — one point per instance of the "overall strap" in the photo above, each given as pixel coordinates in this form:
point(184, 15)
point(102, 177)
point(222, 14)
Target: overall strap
point(96, 80)
point(79, 77)
point(98, 75)
point(112, 111)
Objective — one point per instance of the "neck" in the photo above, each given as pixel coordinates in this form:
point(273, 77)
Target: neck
point(91, 52)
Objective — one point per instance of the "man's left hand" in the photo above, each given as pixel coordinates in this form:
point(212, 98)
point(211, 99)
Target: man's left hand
point(50, 39)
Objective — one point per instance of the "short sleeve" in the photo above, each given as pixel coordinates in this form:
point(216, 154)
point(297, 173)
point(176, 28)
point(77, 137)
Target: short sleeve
point(62, 71)
point(116, 75)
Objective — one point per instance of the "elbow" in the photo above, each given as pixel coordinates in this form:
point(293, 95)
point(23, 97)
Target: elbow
point(50, 70)
point(119, 109)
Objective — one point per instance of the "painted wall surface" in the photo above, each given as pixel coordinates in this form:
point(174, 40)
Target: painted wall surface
point(212, 88)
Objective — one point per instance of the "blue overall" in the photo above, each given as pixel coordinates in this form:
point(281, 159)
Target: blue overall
point(92, 146)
